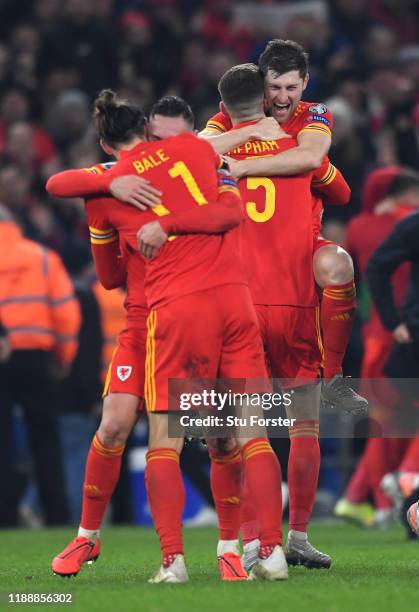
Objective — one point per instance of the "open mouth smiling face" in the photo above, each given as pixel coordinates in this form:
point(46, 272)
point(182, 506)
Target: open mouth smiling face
point(283, 93)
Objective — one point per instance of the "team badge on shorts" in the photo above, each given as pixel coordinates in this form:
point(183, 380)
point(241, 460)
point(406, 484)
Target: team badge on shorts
point(318, 109)
point(123, 372)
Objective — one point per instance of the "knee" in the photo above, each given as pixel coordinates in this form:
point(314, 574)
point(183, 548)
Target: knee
point(333, 267)
point(221, 447)
point(113, 433)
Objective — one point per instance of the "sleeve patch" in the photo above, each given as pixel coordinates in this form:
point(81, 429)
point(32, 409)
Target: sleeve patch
point(94, 169)
point(318, 118)
point(318, 109)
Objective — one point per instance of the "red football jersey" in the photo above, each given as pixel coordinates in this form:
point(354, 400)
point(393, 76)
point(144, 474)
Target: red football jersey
point(277, 236)
point(184, 168)
point(308, 117)
point(102, 235)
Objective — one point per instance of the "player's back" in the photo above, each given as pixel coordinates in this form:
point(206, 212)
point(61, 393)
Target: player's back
point(277, 233)
point(184, 169)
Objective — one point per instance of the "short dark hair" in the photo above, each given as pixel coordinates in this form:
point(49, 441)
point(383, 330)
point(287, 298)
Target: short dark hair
point(117, 121)
point(405, 181)
point(282, 56)
point(173, 106)
point(241, 87)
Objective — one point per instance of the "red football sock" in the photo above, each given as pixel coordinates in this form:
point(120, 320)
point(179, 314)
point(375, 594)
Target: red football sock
point(303, 472)
point(166, 496)
point(410, 462)
point(226, 477)
point(102, 472)
point(249, 524)
point(359, 486)
point(382, 455)
point(262, 474)
point(337, 313)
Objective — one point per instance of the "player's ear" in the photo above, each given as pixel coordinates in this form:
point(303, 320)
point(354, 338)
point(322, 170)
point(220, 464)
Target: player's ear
point(222, 108)
point(108, 150)
point(146, 131)
point(306, 80)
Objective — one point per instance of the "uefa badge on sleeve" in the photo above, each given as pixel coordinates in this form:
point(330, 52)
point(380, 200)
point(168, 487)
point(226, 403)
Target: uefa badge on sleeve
point(123, 372)
point(318, 109)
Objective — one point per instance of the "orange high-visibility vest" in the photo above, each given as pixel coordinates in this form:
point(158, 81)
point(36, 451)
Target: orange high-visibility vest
point(111, 304)
point(37, 302)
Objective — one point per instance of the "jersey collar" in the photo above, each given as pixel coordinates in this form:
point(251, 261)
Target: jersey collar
point(128, 152)
point(245, 123)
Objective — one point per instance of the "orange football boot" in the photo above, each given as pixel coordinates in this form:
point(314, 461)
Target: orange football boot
point(230, 566)
point(79, 551)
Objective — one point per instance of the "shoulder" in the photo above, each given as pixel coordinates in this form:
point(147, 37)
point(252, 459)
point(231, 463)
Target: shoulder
point(191, 142)
point(315, 116)
point(218, 123)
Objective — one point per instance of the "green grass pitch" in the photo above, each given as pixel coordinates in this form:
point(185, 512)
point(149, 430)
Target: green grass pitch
point(372, 570)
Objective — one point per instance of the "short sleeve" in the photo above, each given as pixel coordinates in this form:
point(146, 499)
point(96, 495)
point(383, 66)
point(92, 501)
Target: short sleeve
point(100, 230)
point(317, 119)
point(219, 123)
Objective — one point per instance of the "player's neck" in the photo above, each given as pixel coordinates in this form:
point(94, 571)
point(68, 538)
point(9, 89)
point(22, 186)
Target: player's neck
point(126, 148)
point(242, 121)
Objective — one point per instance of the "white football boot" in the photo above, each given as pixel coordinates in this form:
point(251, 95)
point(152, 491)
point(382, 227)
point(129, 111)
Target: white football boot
point(175, 573)
point(250, 554)
point(272, 568)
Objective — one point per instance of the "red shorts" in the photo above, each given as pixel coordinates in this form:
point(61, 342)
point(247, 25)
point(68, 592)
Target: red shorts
point(292, 341)
point(126, 370)
point(320, 242)
point(206, 335)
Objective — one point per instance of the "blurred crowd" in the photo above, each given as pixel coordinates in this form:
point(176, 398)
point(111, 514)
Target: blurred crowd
point(55, 56)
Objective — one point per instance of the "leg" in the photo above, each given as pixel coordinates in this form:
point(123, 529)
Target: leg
point(9, 497)
point(120, 412)
point(294, 353)
point(166, 496)
point(225, 479)
point(303, 473)
point(334, 273)
point(354, 505)
point(38, 400)
point(178, 347)
point(242, 360)
point(304, 458)
point(76, 431)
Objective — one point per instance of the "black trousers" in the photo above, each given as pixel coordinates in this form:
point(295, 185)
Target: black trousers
point(25, 380)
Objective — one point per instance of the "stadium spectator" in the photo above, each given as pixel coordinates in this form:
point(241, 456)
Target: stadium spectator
point(41, 316)
point(389, 195)
point(78, 41)
point(401, 246)
point(36, 218)
point(16, 106)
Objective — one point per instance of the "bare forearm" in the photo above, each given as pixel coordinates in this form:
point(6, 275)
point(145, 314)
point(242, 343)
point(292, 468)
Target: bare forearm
point(227, 141)
point(288, 163)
